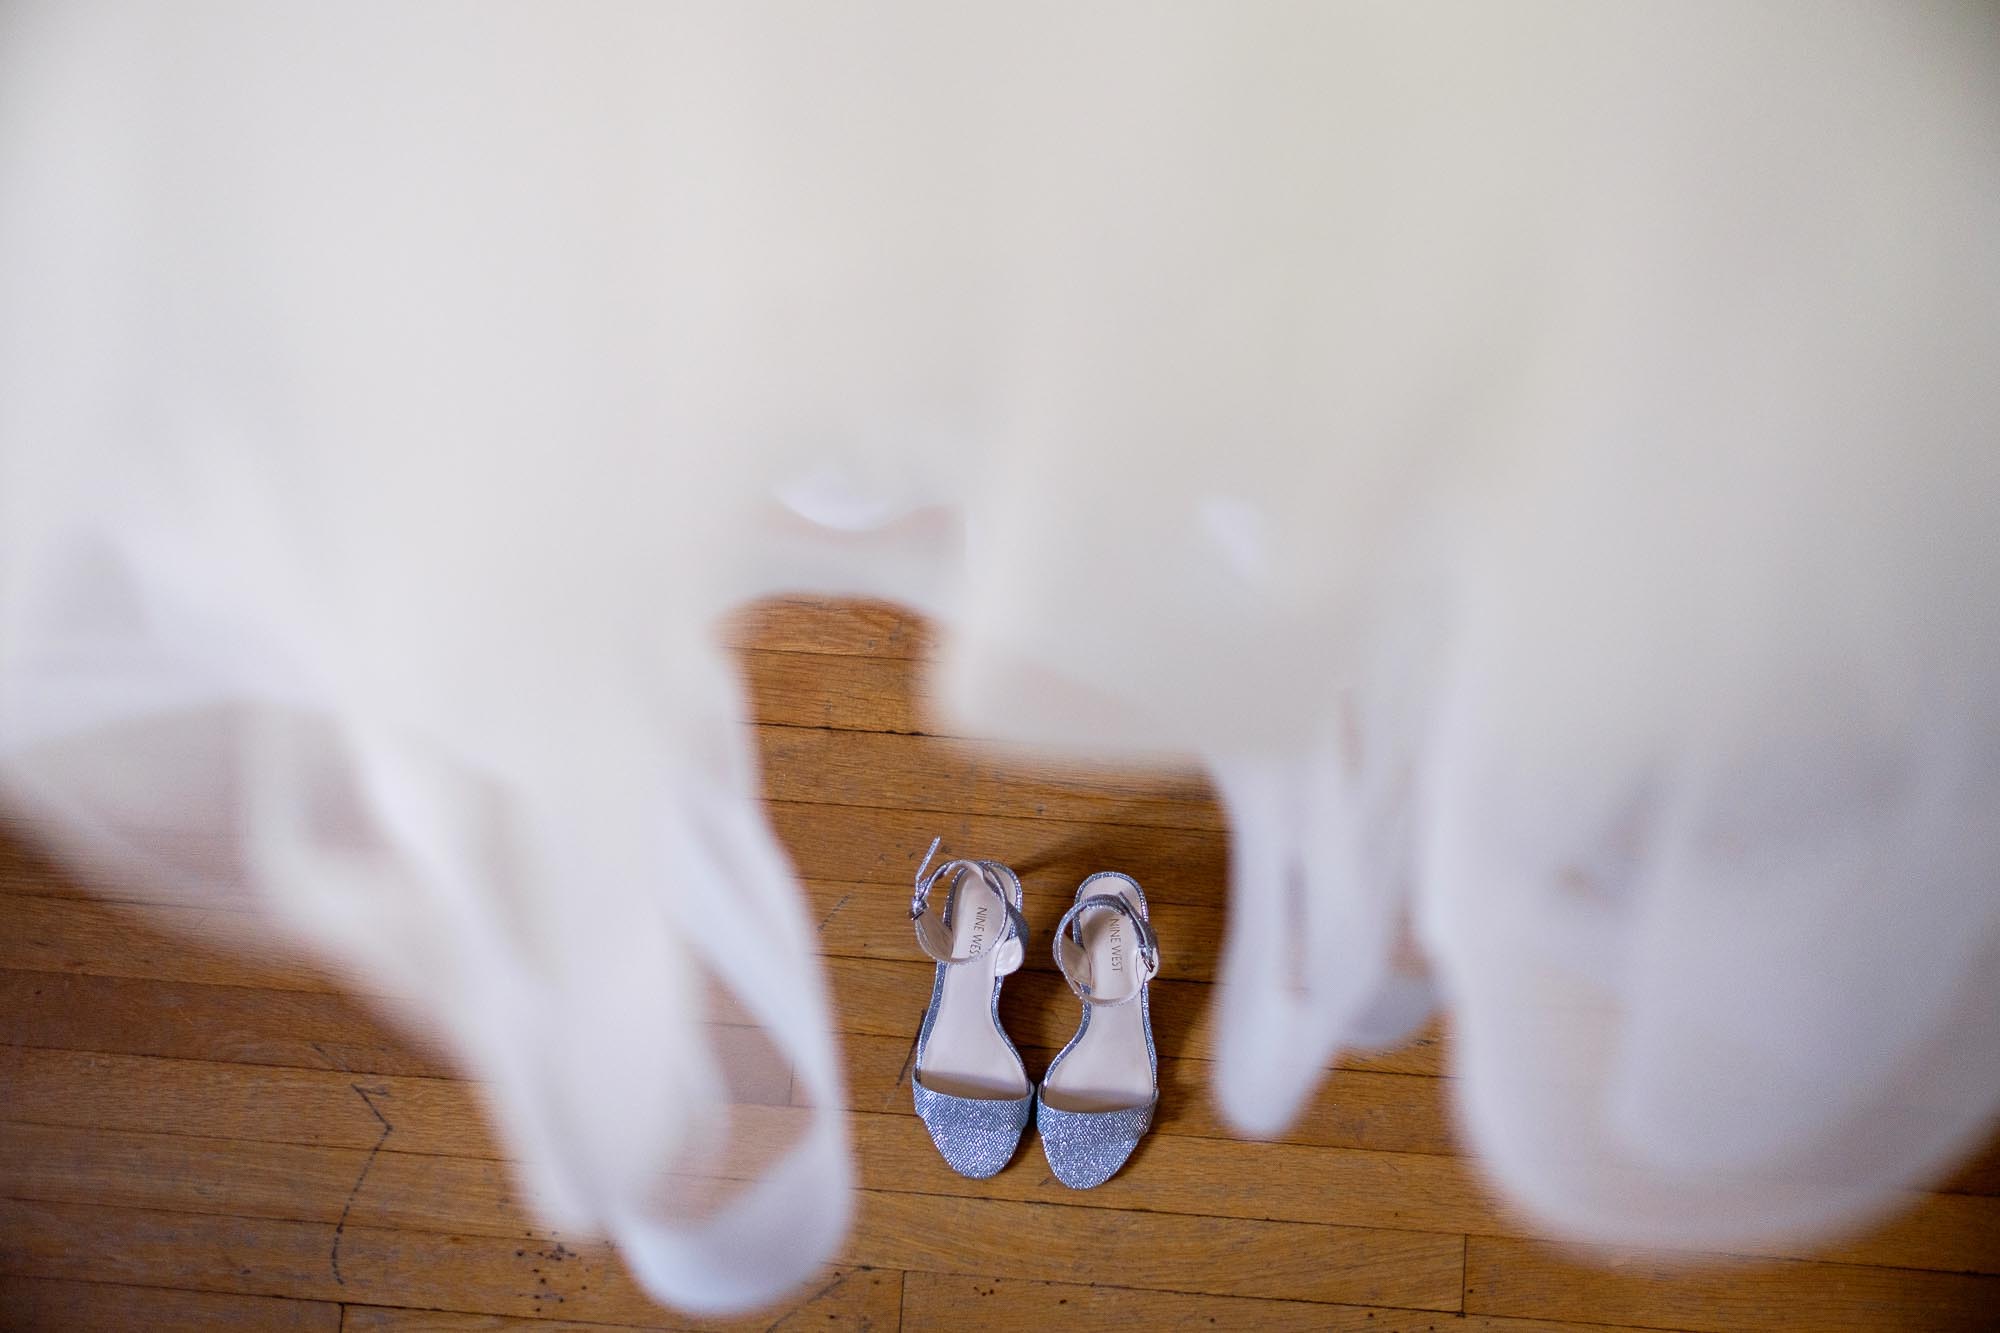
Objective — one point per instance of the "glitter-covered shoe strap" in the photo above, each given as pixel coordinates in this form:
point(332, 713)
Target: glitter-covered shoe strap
point(935, 935)
point(1072, 956)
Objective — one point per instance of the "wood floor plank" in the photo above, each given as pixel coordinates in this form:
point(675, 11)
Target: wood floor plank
point(1354, 1108)
point(30, 1304)
point(411, 1195)
point(121, 1015)
point(1386, 1112)
point(383, 1265)
point(1171, 1173)
point(531, 1276)
point(1355, 1188)
point(157, 941)
point(383, 1319)
point(1012, 1305)
point(174, 942)
point(26, 867)
point(928, 773)
point(870, 843)
point(382, 1186)
point(1535, 1280)
point(1195, 1177)
point(329, 1031)
point(885, 846)
point(829, 625)
point(850, 693)
point(260, 1103)
point(98, 1092)
point(1980, 1173)
point(29, 865)
point(379, 1186)
point(87, 941)
point(211, 946)
point(1157, 1251)
point(1207, 1178)
point(279, 1181)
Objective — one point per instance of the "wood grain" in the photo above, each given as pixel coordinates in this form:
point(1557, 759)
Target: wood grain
point(1157, 1251)
point(256, 1103)
point(1212, 1178)
point(34, 1302)
point(1529, 1278)
point(121, 1015)
point(150, 941)
point(827, 625)
point(949, 776)
point(842, 692)
point(1382, 1112)
point(313, 1030)
point(942, 1300)
point(881, 845)
point(531, 1276)
point(381, 1319)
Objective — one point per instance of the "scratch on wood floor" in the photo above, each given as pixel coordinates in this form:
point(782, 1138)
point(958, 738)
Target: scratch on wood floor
point(828, 918)
point(823, 1292)
point(903, 1074)
point(340, 1227)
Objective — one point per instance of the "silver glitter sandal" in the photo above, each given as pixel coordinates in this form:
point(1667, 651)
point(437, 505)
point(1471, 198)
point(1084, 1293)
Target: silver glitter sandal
point(971, 1089)
point(1097, 1099)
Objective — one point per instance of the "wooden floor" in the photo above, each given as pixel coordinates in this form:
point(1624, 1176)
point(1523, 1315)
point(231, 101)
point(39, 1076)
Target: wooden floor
point(195, 1139)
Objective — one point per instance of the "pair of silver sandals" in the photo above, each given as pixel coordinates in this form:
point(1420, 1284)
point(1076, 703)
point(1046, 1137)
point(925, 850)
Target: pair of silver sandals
point(972, 1092)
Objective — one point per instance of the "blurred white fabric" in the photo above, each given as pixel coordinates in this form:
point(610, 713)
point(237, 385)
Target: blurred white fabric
point(1545, 455)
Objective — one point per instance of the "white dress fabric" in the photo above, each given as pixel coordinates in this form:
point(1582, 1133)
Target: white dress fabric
point(1545, 458)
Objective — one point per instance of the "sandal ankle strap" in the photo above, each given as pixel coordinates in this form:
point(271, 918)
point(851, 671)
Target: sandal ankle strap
point(1069, 939)
point(934, 937)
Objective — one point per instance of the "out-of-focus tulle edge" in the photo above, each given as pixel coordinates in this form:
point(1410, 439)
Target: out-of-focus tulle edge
point(1585, 1082)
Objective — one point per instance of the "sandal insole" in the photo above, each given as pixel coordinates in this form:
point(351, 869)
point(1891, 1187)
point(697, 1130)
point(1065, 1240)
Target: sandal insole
point(966, 1055)
point(1109, 1068)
